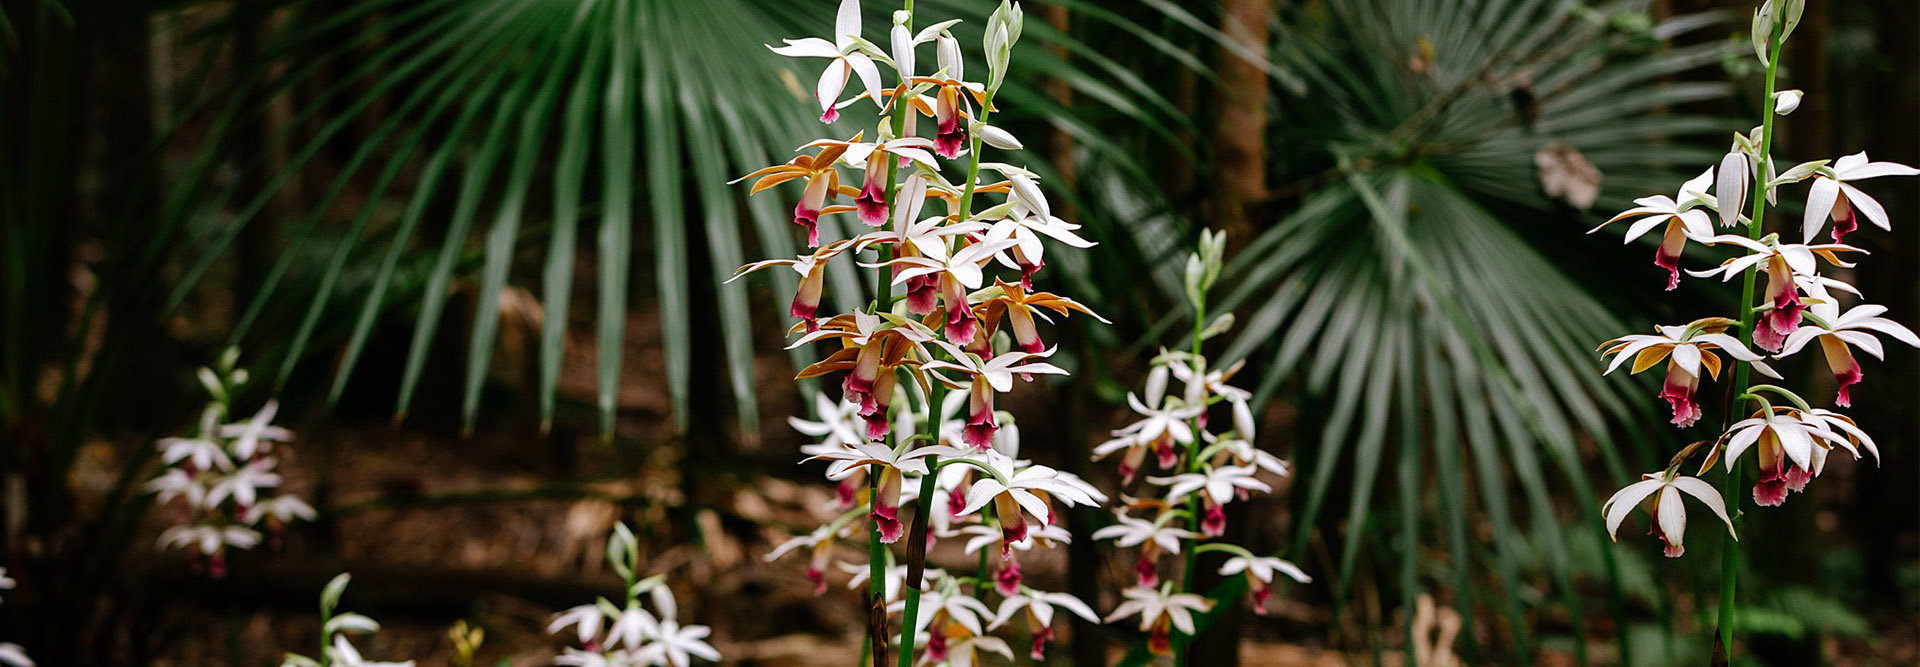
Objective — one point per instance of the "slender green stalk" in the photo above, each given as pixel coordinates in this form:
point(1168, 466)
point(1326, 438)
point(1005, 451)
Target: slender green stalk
point(918, 547)
point(1182, 647)
point(1730, 549)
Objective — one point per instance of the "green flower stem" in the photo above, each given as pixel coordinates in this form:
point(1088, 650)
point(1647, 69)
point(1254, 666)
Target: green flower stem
point(917, 548)
point(1183, 646)
point(1791, 397)
point(1730, 547)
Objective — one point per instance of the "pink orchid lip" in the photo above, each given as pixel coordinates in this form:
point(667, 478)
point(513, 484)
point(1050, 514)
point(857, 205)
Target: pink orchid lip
point(871, 204)
point(1167, 456)
point(961, 325)
point(817, 565)
point(981, 426)
point(1784, 316)
point(1027, 269)
point(886, 506)
point(847, 491)
point(1215, 522)
point(950, 136)
point(1669, 549)
point(1667, 256)
point(957, 501)
point(807, 212)
point(1678, 390)
point(1013, 523)
point(1024, 332)
point(1006, 578)
point(1145, 571)
point(859, 385)
point(1130, 463)
point(1844, 222)
point(806, 302)
point(1797, 478)
point(922, 292)
point(874, 407)
point(1846, 370)
point(1771, 490)
point(1041, 635)
point(808, 218)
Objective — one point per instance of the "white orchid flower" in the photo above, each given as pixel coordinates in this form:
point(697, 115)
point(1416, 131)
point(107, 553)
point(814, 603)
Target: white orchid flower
point(1018, 496)
point(345, 655)
point(1682, 216)
point(251, 437)
point(1160, 612)
point(1785, 264)
point(847, 59)
point(1834, 196)
point(989, 377)
point(1669, 515)
point(1786, 444)
point(1038, 609)
point(1690, 349)
point(1151, 536)
point(1838, 332)
point(1220, 484)
point(1260, 571)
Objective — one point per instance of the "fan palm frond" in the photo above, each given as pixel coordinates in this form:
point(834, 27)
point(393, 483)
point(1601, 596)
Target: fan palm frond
point(1449, 349)
point(508, 124)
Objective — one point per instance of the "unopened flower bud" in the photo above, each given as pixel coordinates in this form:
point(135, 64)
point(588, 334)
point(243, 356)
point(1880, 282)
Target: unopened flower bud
point(1785, 101)
point(999, 138)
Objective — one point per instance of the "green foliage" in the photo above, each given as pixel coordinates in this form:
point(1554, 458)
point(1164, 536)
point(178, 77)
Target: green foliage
point(1414, 291)
point(532, 121)
point(1795, 612)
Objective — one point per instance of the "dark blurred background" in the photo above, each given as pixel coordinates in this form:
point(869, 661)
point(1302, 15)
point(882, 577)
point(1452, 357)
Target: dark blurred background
point(474, 248)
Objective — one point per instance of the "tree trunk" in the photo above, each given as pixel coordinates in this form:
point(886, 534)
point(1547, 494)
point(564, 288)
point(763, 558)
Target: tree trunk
point(1239, 133)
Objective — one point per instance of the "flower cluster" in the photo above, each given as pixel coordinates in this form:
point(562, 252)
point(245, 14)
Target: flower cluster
point(335, 650)
point(630, 635)
point(222, 480)
point(992, 500)
point(1209, 467)
point(917, 416)
point(1799, 303)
